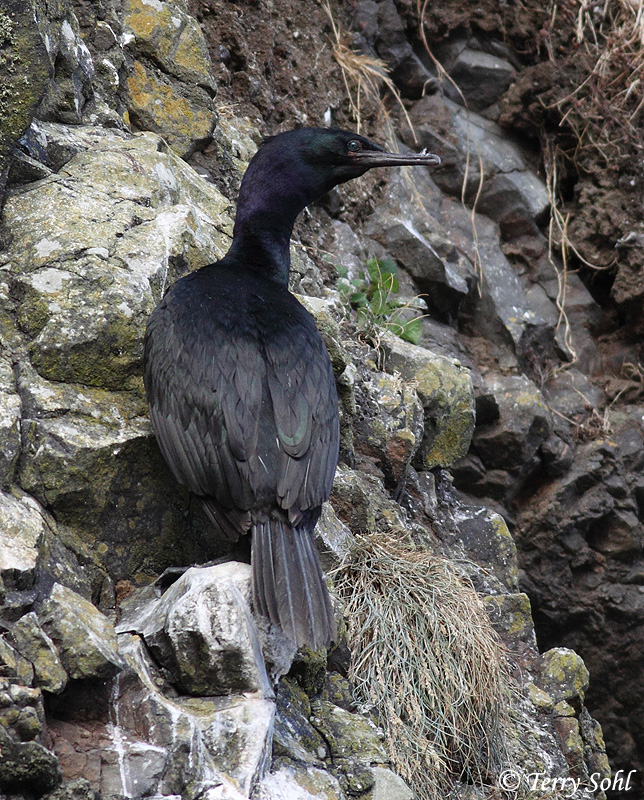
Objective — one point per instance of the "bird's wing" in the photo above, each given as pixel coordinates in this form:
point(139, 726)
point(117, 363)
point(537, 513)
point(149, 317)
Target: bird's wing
point(305, 408)
point(205, 406)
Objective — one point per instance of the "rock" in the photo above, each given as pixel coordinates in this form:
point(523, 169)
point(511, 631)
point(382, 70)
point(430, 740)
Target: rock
point(10, 412)
point(349, 736)
point(389, 786)
point(186, 118)
point(299, 783)
point(332, 537)
point(71, 92)
point(14, 665)
point(202, 631)
point(33, 644)
point(70, 339)
point(421, 248)
point(445, 390)
point(294, 736)
point(486, 539)
point(482, 78)
point(232, 739)
point(85, 638)
point(22, 715)
point(509, 191)
point(389, 424)
point(23, 527)
point(172, 38)
point(26, 767)
point(511, 617)
point(512, 442)
point(407, 70)
point(563, 674)
point(24, 73)
point(155, 218)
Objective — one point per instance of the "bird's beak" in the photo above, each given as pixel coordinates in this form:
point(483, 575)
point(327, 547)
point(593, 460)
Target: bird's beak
point(380, 158)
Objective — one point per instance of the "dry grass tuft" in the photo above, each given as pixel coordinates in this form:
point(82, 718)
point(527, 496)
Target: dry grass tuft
point(427, 662)
point(364, 77)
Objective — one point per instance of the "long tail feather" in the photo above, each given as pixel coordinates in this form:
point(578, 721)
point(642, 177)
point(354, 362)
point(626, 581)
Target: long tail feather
point(288, 584)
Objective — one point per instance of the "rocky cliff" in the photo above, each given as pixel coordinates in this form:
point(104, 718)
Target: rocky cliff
point(491, 469)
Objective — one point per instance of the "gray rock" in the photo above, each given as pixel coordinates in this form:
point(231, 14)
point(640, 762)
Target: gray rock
point(390, 423)
point(202, 631)
point(421, 247)
point(172, 38)
point(154, 218)
point(480, 153)
point(512, 442)
point(446, 392)
point(192, 744)
point(70, 93)
point(299, 783)
point(563, 674)
point(349, 736)
point(14, 665)
point(26, 767)
point(389, 786)
point(407, 70)
point(487, 540)
point(10, 412)
point(85, 638)
point(481, 77)
point(24, 74)
point(294, 736)
point(33, 644)
point(23, 526)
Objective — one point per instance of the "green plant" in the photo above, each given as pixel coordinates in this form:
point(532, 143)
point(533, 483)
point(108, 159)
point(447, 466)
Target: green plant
point(373, 297)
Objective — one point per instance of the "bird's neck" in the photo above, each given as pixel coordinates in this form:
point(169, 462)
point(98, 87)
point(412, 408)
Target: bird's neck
point(261, 244)
point(275, 189)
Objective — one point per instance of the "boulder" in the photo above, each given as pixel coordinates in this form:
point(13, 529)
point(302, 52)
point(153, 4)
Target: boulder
point(70, 95)
point(185, 117)
point(85, 638)
point(203, 633)
point(512, 442)
point(26, 767)
point(295, 782)
point(487, 540)
point(155, 219)
point(389, 423)
point(24, 73)
point(294, 736)
point(349, 736)
point(481, 77)
point(10, 412)
point(23, 527)
point(172, 38)
point(563, 674)
point(445, 390)
point(407, 70)
point(389, 786)
point(33, 644)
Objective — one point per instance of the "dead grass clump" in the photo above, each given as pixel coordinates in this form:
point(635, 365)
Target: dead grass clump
point(427, 662)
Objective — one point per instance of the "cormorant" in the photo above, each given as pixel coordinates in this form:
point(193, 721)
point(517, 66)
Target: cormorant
point(239, 383)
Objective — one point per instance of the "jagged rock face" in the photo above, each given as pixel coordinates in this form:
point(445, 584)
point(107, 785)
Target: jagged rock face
point(186, 695)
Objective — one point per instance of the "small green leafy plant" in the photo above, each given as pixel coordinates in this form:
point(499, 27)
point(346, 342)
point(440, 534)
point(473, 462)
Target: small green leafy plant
point(373, 297)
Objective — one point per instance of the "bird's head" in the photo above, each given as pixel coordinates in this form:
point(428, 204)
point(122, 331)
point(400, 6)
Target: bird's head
point(297, 167)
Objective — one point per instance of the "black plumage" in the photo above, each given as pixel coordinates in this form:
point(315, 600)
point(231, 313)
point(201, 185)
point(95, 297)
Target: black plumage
point(240, 386)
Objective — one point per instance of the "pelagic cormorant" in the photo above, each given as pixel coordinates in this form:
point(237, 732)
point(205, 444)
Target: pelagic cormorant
point(240, 386)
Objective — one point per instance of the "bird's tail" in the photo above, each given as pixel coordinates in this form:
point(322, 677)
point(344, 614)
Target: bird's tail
point(288, 584)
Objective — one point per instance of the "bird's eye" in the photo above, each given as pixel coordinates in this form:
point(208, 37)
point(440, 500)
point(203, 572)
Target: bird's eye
point(354, 145)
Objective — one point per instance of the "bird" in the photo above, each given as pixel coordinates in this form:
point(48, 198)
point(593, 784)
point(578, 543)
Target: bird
point(239, 383)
